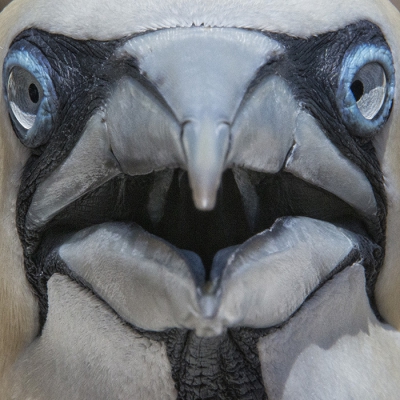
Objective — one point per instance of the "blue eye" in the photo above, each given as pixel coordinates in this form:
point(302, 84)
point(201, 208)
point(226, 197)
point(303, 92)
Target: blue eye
point(30, 94)
point(366, 88)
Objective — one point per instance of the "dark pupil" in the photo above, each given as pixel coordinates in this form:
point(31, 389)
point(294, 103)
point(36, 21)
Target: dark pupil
point(33, 93)
point(357, 89)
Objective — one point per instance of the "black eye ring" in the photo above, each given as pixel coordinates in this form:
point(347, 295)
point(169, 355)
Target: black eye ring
point(30, 93)
point(366, 89)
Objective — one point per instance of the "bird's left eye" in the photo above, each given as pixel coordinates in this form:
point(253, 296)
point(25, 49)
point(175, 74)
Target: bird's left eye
point(369, 88)
point(366, 87)
point(30, 93)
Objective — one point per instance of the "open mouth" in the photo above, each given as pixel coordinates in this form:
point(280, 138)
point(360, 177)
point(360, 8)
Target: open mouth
point(248, 203)
point(270, 242)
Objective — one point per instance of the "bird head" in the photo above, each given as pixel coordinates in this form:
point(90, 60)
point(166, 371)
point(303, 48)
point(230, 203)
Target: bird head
point(196, 165)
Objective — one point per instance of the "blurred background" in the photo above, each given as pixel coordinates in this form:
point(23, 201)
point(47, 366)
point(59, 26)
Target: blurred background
point(396, 3)
point(3, 3)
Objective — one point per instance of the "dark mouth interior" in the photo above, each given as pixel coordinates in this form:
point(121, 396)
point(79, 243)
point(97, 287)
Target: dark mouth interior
point(125, 198)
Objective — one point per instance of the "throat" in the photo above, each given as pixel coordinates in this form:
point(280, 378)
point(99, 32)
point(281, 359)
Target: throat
point(221, 367)
point(204, 233)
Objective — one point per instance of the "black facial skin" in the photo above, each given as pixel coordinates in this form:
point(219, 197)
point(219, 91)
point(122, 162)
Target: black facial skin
point(313, 70)
point(83, 72)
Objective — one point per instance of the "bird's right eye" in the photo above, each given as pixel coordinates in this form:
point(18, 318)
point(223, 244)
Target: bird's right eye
point(25, 94)
point(30, 94)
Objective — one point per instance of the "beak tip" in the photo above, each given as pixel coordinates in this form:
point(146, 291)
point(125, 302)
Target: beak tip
point(204, 201)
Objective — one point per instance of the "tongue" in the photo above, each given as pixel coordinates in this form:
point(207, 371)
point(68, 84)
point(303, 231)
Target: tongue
point(261, 283)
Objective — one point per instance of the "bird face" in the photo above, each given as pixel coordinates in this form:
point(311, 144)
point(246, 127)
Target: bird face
point(208, 177)
point(182, 166)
